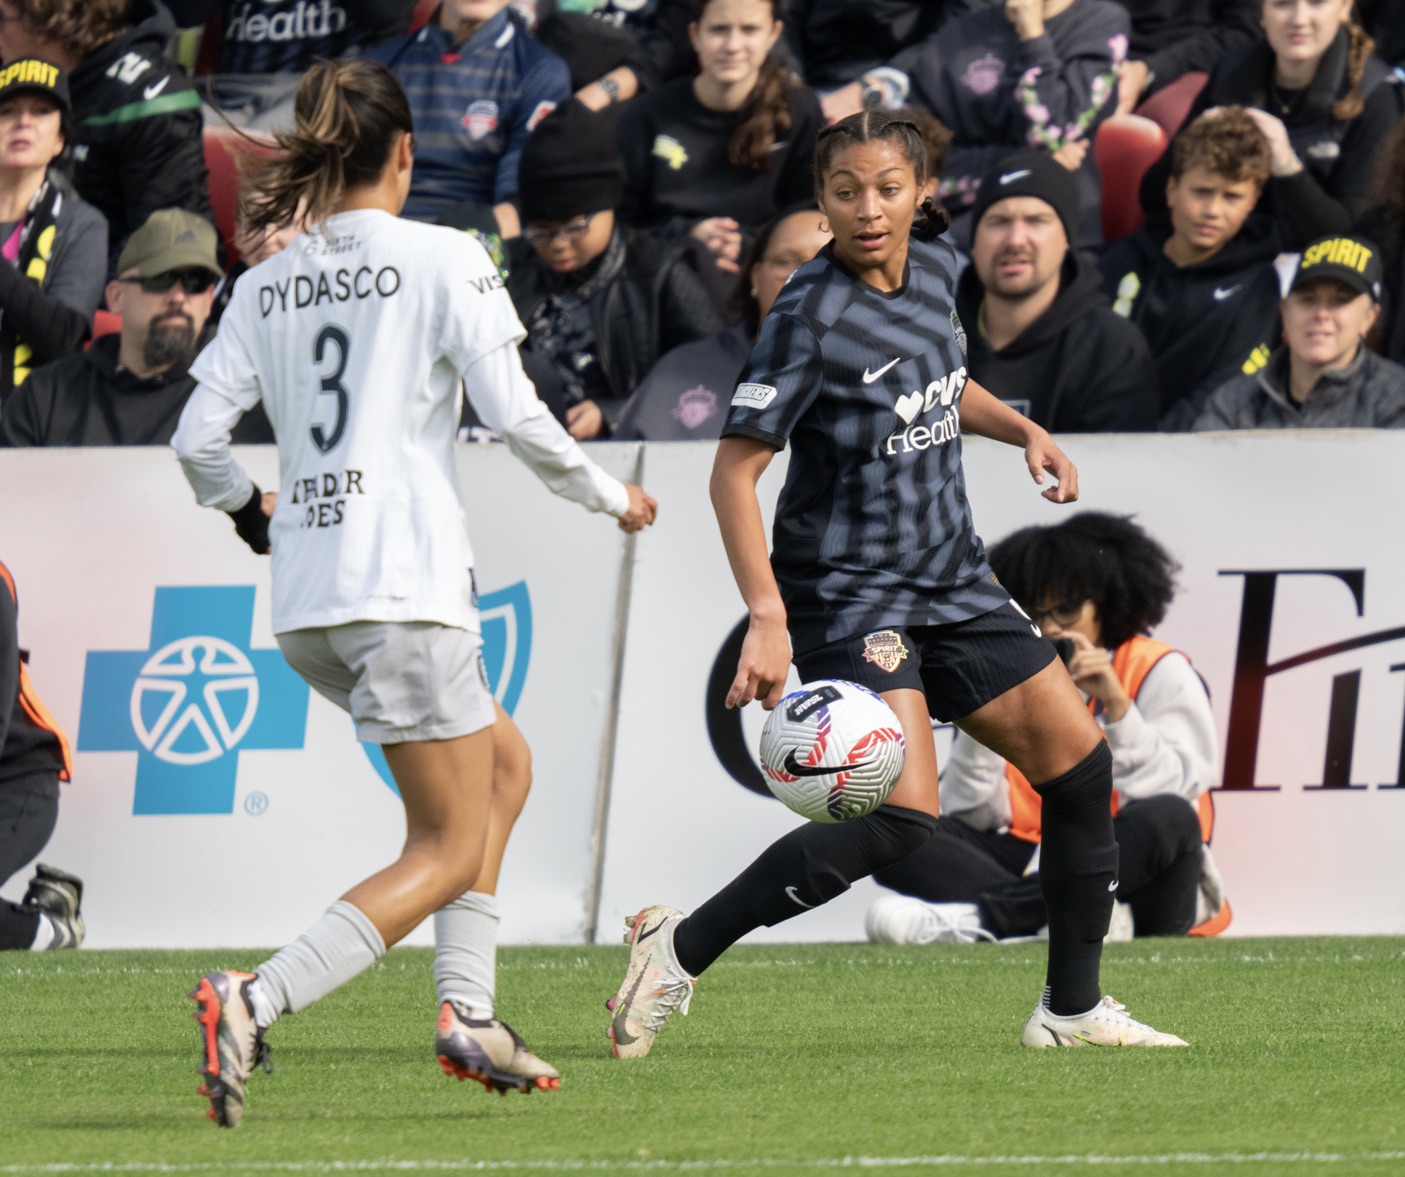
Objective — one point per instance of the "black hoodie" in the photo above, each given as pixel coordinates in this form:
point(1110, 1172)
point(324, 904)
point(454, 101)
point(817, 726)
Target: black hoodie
point(1078, 368)
point(140, 143)
point(1204, 323)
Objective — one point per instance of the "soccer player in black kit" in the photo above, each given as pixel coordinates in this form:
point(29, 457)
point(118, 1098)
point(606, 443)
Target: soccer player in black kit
point(877, 576)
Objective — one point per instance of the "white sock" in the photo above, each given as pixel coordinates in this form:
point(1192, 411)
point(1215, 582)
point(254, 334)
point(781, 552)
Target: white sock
point(465, 952)
point(337, 947)
point(44, 935)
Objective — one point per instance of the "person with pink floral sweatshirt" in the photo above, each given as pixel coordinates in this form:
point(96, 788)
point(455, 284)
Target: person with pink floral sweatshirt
point(1033, 73)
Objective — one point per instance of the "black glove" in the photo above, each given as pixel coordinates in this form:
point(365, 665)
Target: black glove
point(252, 524)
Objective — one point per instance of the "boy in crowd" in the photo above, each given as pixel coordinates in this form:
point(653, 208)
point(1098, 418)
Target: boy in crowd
point(1198, 279)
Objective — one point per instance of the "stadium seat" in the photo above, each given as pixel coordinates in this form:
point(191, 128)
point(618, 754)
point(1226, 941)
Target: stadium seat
point(1125, 146)
point(1167, 108)
point(423, 11)
point(106, 323)
point(223, 146)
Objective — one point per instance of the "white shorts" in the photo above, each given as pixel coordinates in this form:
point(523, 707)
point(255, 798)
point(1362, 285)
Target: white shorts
point(401, 680)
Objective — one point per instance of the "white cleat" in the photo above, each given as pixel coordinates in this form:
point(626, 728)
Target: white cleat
point(1106, 1024)
point(900, 919)
point(654, 986)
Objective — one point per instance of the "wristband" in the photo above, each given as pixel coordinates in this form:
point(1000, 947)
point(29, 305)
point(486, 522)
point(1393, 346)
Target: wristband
point(251, 523)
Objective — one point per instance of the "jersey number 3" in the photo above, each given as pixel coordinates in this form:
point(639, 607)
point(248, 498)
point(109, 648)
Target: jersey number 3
point(331, 384)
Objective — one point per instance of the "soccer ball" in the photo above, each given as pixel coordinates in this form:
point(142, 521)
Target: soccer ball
point(832, 751)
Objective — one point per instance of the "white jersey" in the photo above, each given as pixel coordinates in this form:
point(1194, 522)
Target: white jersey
point(355, 338)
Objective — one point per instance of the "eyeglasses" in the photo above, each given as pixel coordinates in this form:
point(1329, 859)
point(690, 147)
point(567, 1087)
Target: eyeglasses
point(1063, 615)
point(567, 232)
point(191, 281)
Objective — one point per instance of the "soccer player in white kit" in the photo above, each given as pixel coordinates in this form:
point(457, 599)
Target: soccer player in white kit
point(357, 339)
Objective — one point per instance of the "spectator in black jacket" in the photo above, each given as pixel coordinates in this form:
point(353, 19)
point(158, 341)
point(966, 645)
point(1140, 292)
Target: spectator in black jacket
point(1175, 37)
point(1033, 73)
point(684, 397)
point(836, 41)
point(1385, 21)
point(617, 49)
point(138, 142)
point(1040, 334)
point(1323, 376)
point(265, 45)
point(129, 389)
point(1326, 106)
point(34, 758)
point(54, 245)
point(1384, 222)
point(1199, 280)
point(720, 154)
point(600, 303)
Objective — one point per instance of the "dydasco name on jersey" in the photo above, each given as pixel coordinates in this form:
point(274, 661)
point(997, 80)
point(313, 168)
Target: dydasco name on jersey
point(300, 292)
point(912, 437)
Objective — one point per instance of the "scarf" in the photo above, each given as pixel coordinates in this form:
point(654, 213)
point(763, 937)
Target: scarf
point(36, 233)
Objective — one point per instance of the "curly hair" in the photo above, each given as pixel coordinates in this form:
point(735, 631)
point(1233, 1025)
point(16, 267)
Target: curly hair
point(1350, 104)
point(1228, 143)
point(1093, 556)
point(871, 125)
point(79, 28)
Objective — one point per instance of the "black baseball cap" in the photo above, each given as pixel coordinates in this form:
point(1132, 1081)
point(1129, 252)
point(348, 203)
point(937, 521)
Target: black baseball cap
point(1353, 261)
point(34, 75)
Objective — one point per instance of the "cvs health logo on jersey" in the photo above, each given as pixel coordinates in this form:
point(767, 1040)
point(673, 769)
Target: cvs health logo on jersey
point(939, 393)
point(192, 701)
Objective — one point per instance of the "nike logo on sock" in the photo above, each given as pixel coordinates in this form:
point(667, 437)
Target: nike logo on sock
point(790, 892)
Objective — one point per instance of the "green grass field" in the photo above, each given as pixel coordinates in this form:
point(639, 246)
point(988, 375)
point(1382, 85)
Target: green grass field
point(795, 1059)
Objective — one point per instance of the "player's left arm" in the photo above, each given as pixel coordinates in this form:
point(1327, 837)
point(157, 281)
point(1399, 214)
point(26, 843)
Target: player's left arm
point(986, 415)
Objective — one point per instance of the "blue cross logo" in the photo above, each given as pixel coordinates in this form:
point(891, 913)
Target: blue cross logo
point(192, 700)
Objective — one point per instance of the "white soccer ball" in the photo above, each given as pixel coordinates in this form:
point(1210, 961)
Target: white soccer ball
point(832, 751)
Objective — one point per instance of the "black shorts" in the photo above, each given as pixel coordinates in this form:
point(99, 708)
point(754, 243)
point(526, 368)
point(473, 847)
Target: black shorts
point(959, 667)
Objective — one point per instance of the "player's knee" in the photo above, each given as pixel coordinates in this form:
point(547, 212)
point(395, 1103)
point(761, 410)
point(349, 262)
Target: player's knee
point(1087, 783)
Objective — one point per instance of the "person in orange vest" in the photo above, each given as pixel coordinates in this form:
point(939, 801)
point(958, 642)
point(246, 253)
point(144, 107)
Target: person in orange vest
point(34, 758)
point(1096, 585)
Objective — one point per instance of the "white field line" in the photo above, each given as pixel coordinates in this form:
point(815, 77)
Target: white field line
point(569, 1166)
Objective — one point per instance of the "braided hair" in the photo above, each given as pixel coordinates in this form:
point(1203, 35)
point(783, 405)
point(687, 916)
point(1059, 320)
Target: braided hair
point(869, 126)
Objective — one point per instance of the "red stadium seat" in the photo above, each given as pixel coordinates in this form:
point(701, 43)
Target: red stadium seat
point(1167, 108)
point(223, 146)
point(423, 11)
point(106, 323)
point(1125, 146)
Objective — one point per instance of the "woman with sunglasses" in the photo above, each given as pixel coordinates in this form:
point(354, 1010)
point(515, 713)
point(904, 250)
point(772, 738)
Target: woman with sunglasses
point(600, 302)
point(876, 575)
point(358, 339)
point(130, 388)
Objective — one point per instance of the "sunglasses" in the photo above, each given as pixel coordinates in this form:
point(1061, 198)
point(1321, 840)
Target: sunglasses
point(191, 281)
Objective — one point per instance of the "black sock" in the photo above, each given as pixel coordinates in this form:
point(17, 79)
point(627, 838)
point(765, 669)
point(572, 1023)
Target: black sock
point(806, 868)
point(1078, 875)
point(18, 925)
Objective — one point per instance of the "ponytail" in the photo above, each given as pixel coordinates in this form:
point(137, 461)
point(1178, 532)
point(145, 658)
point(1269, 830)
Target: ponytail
point(347, 116)
point(1350, 104)
point(763, 120)
point(932, 222)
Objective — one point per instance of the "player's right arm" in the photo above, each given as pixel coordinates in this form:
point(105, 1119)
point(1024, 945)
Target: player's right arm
point(765, 657)
point(508, 403)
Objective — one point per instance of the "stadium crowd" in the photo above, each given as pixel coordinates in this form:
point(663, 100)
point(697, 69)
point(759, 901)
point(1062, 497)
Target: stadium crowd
point(641, 170)
point(1177, 214)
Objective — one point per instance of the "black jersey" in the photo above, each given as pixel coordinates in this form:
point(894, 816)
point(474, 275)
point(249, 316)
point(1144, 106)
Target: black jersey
point(873, 528)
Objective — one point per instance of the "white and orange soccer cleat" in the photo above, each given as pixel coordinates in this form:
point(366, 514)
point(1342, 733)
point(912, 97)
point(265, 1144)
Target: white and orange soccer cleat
point(654, 986)
point(1106, 1024)
point(232, 1041)
point(489, 1052)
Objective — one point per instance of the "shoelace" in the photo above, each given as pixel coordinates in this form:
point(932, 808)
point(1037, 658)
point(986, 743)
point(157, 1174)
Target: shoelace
point(670, 995)
point(947, 924)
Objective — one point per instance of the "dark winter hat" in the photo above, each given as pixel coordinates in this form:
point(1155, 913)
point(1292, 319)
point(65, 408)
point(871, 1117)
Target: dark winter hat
point(570, 165)
point(1352, 261)
point(1031, 173)
point(32, 75)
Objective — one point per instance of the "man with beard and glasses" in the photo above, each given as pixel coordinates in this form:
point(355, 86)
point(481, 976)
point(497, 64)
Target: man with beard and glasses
point(129, 388)
point(1041, 330)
